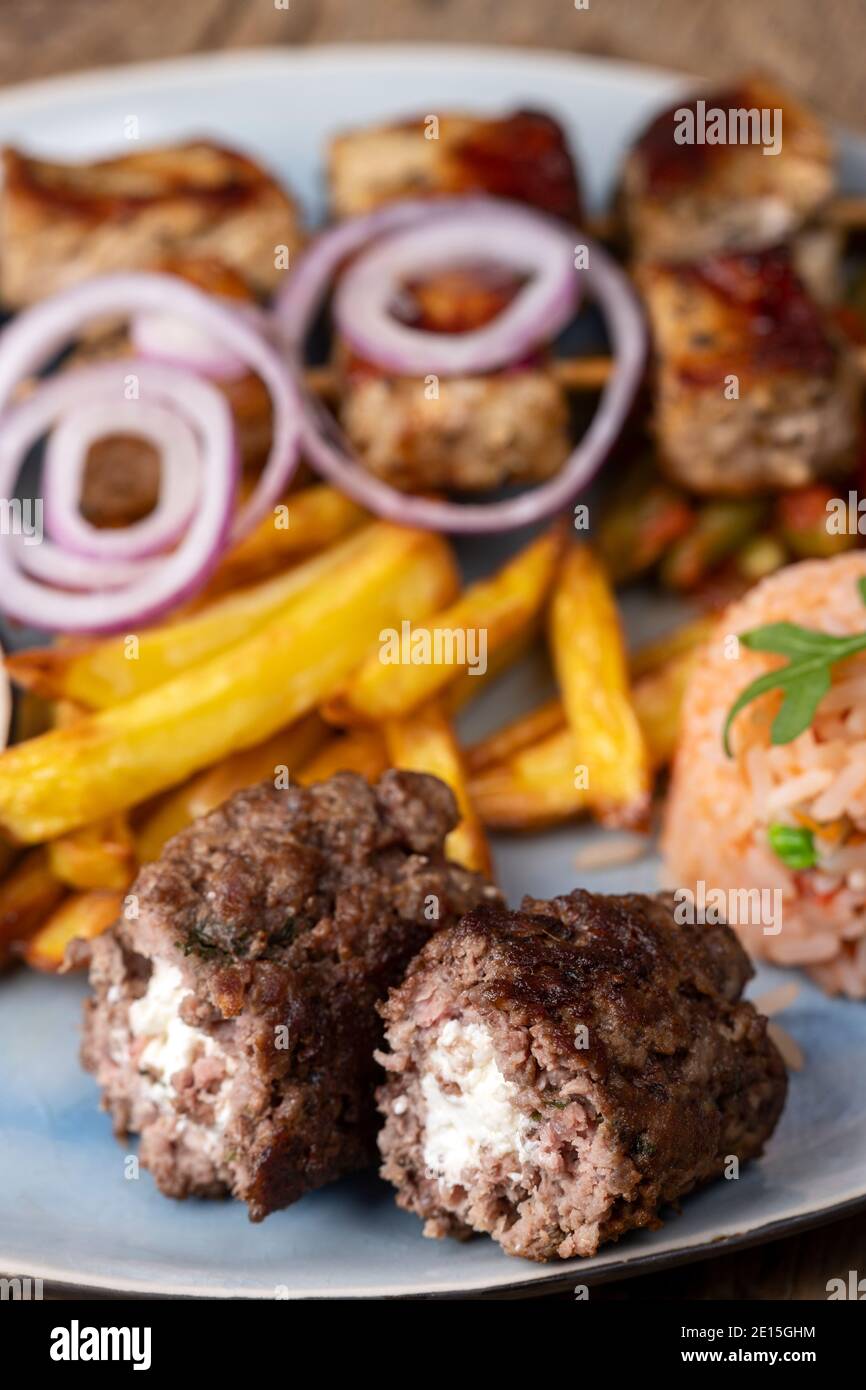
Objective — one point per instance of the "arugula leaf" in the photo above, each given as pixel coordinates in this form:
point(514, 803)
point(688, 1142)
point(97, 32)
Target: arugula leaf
point(804, 681)
point(794, 845)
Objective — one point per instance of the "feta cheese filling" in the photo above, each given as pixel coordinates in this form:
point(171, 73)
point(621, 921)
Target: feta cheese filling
point(476, 1116)
point(173, 1044)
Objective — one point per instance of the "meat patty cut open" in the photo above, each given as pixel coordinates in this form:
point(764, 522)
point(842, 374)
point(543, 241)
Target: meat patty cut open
point(556, 1075)
point(233, 1021)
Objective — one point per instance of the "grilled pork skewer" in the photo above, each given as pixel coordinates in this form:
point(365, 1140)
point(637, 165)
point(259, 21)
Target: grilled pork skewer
point(469, 433)
point(64, 223)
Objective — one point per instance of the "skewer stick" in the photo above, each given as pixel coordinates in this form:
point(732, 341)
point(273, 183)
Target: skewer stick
point(847, 212)
point(577, 374)
point(582, 373)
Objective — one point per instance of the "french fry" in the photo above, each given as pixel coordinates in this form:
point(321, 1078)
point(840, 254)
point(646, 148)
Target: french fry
point(527, 729)
point(80, 917)
point(592, 671)
point(522, 776)
point(466, 686)
point(657, 698)
point(305, 522)
point(424, 742)
point(537, 786)
point(101, 674)
point(288, 748)
point(117, 757)
point(660, 671)
point(27, 894)
point(358, 750)
point(101, 855)
point(688, 637)
point(500, 607)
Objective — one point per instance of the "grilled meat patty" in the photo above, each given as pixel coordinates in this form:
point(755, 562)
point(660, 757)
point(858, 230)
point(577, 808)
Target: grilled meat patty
point(233, 1016)
point(557, 1075)
point(755, 388)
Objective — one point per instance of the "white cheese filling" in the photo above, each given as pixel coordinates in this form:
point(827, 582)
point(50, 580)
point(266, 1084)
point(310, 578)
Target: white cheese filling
point(479, 1120)
point(173, 1044)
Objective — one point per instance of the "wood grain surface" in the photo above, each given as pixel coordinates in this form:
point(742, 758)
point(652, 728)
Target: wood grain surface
point(815, 47)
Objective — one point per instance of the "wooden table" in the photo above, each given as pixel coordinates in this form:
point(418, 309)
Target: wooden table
point(814, 48)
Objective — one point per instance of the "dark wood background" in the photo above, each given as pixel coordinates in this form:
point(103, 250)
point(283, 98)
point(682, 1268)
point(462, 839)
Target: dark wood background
point(815, 47)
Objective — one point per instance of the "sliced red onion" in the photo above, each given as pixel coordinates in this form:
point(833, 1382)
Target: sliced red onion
point(528, 243)
point(52, 565)
point(34, 336)
point(330, 453)
point(66, 459)
point(166, 337)
point(176, 341)
point(161, 583)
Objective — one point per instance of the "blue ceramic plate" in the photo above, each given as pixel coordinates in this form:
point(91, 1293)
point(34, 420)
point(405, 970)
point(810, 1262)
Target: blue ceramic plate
point(68, 1213)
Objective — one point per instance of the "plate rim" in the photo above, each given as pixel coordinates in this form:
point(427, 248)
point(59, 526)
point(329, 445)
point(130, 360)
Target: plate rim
point(199, 69)
point(93, 83)
point(628, 1268)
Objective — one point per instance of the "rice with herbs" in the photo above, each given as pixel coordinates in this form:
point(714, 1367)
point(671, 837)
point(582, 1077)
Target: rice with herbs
point(722, 812)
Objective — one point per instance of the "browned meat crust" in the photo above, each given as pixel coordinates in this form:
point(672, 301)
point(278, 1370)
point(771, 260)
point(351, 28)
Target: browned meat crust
point(756, 390)
point(524, 156)
point(462, 434)
point(632, 1069)
point(271, 928)
point(683, 201)
point(63, 223)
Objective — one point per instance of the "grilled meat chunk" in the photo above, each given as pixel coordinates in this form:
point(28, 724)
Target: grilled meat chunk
point(755, 389)
point(459, 434)
point(523, 156)
point(684, 200)
point(63, 223)
point(557, 1075)
point(233, 1021)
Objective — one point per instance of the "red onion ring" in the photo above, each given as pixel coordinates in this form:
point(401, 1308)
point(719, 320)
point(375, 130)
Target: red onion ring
point(63, 477)
point(163, 582)
point(165, 337)
point(526, 242)
point(35, 335)
point(331, 455)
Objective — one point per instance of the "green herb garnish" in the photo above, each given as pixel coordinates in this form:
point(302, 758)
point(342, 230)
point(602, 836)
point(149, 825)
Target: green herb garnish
point(806, 678)
point(794, 845)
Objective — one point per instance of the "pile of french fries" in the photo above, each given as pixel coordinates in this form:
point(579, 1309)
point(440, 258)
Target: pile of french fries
point(277, 673)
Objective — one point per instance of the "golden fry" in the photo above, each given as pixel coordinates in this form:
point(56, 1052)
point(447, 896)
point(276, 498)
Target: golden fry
point(424, 742)
point(27, 894)
point(527, 729)
point(657, 698)
point(495, 611)
point(101, 674)
point(592, 672)
point(305, 522)
point(466, 686)
point(288, 748)
point(108, 761)
point(538, 786)
point(101, 855)
point(688, 637)
point(358, 750)
point(80, 917)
